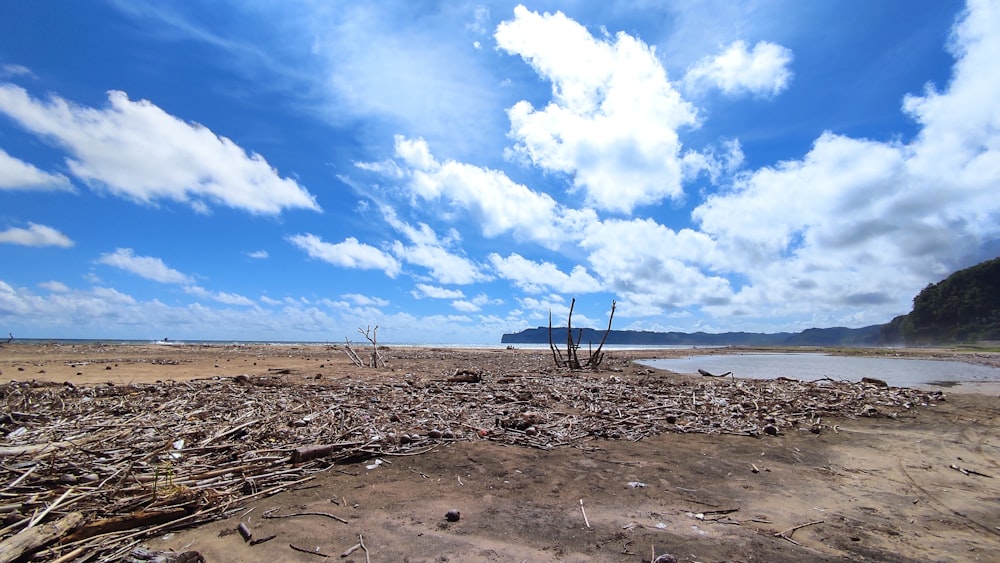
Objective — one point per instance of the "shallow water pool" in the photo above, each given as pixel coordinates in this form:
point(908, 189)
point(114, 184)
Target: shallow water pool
point(898, 372)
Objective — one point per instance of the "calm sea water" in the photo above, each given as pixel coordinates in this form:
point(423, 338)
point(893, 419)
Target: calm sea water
point(897, 372)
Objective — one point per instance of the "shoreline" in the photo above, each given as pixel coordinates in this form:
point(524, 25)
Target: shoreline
point(75, 361)
point(205, 438)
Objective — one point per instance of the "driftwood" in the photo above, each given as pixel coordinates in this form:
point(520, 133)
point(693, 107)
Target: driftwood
point(26, 541)
point(144, 459)
point(572, 360)
point(709, 374)
point(128, 522)
point(375, 359)
point(306, 453)
point(143, 555)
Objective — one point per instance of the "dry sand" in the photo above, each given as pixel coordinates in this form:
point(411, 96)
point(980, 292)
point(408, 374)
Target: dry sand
point(875, 489)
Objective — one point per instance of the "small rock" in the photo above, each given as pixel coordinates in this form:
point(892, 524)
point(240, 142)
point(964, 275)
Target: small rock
point(771, 430)
point(452, 515)
point(435, 434)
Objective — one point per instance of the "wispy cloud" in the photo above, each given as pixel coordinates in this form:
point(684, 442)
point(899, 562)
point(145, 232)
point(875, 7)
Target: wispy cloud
point(35, 235)
point(16, 174)
point(147, 267)
point(219, 296)
point(347, 254)
point(538, 277)
point(136, 150)
point(436, 292)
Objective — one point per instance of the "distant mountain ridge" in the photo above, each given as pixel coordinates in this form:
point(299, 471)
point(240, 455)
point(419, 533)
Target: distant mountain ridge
point(836, 336)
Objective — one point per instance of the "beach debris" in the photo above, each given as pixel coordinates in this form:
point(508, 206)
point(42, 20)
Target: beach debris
point(30, 539)
point(375, 359)
point(874, 381)
point(143, 555)
point(313, 551)
point(258, 541)
point(966, 471)
point(244, 531)
point(141, 460)
point(710, 374)
point(787, 534)
point(572, 360)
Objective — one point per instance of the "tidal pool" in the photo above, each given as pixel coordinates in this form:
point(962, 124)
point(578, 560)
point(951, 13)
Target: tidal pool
point(897, 372)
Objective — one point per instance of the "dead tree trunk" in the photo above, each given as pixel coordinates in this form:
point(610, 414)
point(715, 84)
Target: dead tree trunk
point(572, 359)
point(375, 359)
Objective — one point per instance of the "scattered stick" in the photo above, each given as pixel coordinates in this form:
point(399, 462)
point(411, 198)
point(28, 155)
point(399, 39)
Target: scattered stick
point(787, 534)
point(309, 551)
point(585, 519)
point(263, 539)
point(271, 514)
point(966, 471)
point(132, 475)
point(361, 540)
point(351, 550)
point(49, 508)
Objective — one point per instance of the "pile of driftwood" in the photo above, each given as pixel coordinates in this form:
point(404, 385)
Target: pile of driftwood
point(86, 473)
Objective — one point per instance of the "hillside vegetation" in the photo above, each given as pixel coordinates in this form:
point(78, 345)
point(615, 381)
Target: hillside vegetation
point(964, 307)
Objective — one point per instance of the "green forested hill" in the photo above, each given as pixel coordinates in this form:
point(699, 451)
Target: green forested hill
point(964, 307)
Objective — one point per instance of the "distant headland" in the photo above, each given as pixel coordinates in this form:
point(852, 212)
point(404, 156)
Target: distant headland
point(837, 336)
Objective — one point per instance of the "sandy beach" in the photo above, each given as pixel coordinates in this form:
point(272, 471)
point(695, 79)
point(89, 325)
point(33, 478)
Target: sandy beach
point(181, 444)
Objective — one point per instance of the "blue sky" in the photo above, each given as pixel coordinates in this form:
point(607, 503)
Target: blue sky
point(452, 171)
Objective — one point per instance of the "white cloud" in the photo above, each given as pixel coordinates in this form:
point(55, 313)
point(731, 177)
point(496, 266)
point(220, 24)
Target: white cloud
point(497, 203)
point(365, 300)
point(347, 254)
point(475, 304)
point(612, 123)
point(143, 266)
point(537, 277)
point(857, 227)
point(760, 71)
point(9, 70)
point(258, 254)
point(219, 296)
point(17, 174)
point(642, 260)
point(431, 252)
point(54, 286)
point(35, 235)
point(435, 292)
point(137, 150)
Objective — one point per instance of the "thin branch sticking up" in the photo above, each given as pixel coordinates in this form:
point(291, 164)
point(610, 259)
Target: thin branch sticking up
point(375, 359)
point(572, 359)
